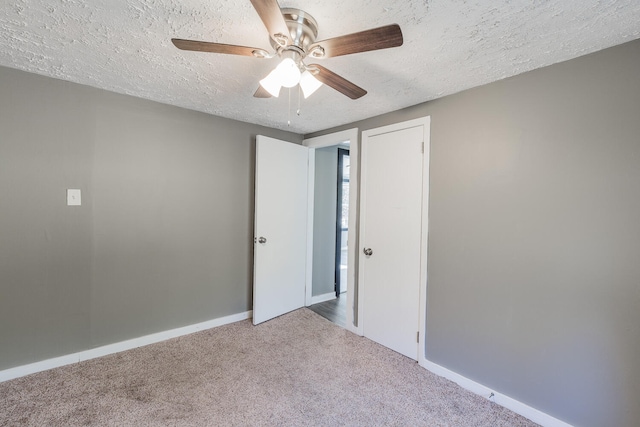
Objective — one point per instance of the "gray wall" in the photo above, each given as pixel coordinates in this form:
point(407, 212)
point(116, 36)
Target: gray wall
point(534, 236)
point(163, 238)
point(324, 220)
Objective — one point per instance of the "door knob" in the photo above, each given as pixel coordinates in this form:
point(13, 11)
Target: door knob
point(368, 251)
point(262, 240)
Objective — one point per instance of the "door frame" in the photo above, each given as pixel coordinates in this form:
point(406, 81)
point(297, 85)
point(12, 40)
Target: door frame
point(425, 122)
point(342, 153)
point(330, 140)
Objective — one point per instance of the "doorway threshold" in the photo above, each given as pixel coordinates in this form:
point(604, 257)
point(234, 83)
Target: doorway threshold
point(334, 310)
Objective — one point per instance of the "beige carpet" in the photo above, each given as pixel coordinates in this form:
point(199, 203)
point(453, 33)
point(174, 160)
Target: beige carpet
point(296, 370)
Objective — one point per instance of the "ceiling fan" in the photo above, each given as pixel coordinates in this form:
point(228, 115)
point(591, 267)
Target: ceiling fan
point(293, 35)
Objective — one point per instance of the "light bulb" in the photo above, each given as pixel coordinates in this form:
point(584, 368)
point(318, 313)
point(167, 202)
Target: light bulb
point(309, 84)
point(288, 73)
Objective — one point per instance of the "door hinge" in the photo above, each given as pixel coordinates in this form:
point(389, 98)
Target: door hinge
point(422, 147)
point(418, 336)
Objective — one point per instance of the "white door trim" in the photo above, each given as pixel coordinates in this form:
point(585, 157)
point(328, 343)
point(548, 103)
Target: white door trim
point(425, 122)
point(329, 140)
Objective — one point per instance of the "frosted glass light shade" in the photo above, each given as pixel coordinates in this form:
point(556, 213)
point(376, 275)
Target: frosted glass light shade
point(309, 84)
point(271, 83)
point(288, 73)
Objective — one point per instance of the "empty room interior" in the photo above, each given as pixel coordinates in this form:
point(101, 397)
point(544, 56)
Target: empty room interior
point(463, 178)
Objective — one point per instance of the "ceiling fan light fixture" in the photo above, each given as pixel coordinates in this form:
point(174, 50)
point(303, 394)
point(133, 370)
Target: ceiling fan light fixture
point(271, 83)
point(293, 34)
point(309, 84)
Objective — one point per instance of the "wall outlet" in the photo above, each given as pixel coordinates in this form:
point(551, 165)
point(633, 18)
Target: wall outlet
point(73, 197)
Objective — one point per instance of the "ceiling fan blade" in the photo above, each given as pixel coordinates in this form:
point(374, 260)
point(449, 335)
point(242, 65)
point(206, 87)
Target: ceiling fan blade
point(261, 93)
point(230, 49)
point(364, 41)
point(340, 84)
point(271, 15)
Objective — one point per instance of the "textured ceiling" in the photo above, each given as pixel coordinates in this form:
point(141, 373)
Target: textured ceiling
point(449, 45)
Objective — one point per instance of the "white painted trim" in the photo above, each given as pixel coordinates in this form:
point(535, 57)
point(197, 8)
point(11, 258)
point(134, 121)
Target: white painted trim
point(32, 368)
point(329, 140)
point(332, 139)
point(322, 298)
point(352, 234)
point(424, 256)
point(311, 185)
point(44, 365)
point(503, 400)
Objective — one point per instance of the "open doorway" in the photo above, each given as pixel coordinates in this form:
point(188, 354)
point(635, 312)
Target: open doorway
point(330, 229)
point(346, 139)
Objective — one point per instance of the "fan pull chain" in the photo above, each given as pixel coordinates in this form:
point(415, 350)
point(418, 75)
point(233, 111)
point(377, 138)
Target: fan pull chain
point(299, 107)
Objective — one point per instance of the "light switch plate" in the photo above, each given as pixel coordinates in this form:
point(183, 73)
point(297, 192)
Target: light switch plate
point(73, 197)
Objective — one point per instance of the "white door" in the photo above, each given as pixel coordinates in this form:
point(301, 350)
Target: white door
point(391, 231)
point(280, 228)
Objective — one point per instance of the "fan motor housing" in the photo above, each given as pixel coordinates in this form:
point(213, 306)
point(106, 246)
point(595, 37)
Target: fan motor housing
point(303, 30)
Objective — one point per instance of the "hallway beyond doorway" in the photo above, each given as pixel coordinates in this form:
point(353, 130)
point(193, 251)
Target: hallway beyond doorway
point(334, 310)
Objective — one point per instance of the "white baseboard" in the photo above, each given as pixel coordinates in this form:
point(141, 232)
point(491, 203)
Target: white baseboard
point(322, 298)
point(477, 388)
point(501, 399)
point(32, 368)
